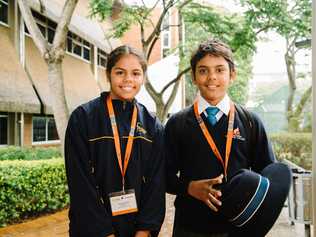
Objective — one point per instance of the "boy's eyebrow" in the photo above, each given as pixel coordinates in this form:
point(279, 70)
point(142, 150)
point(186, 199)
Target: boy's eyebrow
point(220, 65)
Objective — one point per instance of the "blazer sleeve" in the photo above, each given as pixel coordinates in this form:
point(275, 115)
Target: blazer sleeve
point(152, 201)
point(88, 216)
point(262, 147)
point(175, 185)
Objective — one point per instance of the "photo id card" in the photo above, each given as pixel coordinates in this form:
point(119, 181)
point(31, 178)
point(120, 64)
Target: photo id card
point(123, 202)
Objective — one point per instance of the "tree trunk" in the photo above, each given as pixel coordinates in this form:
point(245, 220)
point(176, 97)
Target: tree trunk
point(290, 67)
point(57, 93)
point(296, 115)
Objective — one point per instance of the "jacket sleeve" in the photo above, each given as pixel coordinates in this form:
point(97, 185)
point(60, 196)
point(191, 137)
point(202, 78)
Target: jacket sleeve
point(263, 152)
point(88, 216)
point(152, 201)
point(175, 185)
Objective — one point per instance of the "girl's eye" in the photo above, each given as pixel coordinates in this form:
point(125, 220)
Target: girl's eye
point(119, 73)
point(137, 74)
point(203, 71)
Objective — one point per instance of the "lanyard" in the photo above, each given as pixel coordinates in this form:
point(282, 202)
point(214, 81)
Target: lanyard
point(130, 139)
point(210, 140)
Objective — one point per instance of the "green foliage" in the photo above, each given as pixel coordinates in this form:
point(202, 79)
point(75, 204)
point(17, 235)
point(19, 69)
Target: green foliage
point(129, 15)
point(203, 22)
point(21, 153)
point(296, 147)
point(28, 188)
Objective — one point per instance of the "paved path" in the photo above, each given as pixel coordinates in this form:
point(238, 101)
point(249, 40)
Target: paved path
point(56, 225)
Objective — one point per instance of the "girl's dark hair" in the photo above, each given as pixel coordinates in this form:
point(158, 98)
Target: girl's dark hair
point(121, 51)
point(213, 47)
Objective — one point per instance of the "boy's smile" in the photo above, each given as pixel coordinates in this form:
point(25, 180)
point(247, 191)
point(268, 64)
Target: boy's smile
point(212, 76)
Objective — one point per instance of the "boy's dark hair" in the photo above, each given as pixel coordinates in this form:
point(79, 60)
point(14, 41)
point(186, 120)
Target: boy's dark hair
point(213, 47)
point(121, 51)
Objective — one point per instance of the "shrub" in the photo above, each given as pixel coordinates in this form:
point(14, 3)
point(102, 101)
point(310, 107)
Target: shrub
point(296, 147)
point(20, 153)
point(30, 188)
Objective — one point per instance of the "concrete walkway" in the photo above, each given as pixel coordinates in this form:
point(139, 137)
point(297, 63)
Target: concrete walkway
point(56, 225)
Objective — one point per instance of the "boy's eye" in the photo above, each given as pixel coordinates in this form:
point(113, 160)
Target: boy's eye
point(220, 69)
point(203, 71)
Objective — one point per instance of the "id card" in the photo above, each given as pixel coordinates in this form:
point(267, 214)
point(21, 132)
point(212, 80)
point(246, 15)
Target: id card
point(123, 202)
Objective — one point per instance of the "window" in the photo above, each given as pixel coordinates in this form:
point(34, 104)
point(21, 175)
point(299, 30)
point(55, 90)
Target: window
point(4, 11)
point(78, 46)
point(44, 129)
point(46, 26)
point(3, 130)
point(166, 35)
point(102, 58)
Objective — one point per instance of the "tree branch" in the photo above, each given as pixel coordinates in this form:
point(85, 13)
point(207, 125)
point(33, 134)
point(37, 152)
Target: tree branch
point(40, 42)
point(62, 27)
point(179, 76)
point(157, 29)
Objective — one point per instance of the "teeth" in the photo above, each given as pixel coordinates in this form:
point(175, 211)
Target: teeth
point(127, 88)
point(211, 86)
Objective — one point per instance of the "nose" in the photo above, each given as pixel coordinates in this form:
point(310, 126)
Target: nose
point(211, 75)
point(128, 77)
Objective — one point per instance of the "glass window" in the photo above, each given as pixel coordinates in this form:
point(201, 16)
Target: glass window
point(50, 35)
point(86, 54)
point(77, 49)
point(39, 129)
point(102, 58)
point(3, 130)
point(166, 22)
point(44, 129)
point(52, 130)
point(165, 40)
point(4, 11)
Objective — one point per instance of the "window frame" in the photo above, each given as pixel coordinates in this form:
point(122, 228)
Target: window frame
point(165, 32)
point(46, 132)
point(78, 41)
point(101, 54)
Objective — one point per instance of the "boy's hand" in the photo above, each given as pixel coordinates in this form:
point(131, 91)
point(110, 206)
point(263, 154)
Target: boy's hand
point(203, 190)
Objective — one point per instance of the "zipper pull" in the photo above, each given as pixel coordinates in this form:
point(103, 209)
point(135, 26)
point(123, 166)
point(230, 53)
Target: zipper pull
point(124, 105)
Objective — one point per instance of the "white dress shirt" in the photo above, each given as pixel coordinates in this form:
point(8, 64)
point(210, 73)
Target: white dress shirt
point(223, 106)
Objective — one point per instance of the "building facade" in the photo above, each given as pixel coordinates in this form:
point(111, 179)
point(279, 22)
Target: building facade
point(26, 114)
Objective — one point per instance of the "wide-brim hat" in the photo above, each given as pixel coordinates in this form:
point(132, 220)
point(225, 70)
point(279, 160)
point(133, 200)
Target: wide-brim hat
point(252, 202)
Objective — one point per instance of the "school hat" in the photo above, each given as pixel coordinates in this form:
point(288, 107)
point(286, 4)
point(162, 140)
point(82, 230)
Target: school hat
point(252, 202)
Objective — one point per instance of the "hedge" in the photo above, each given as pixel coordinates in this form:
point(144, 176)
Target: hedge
point(19, 153)
point(296, 147)
point(30, 188)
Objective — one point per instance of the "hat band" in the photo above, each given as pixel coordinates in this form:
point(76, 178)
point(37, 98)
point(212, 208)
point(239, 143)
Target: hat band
point(253, 204)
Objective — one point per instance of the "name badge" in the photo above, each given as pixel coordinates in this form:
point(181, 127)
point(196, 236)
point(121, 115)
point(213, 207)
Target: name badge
point(123, 202)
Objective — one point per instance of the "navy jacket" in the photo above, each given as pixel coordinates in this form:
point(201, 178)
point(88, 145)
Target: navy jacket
point(189, 157)
point(93, 171)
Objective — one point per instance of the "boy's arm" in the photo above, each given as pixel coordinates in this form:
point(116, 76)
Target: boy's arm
point(263, 152)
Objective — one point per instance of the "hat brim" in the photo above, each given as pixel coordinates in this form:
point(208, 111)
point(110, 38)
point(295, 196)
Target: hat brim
point(280, 178)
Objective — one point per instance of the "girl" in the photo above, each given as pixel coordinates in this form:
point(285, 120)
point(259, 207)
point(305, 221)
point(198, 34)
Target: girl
point(114, 158)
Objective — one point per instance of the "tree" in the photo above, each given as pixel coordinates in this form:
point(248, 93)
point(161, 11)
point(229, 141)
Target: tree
point(53, 56)
point(204, 21)
point(291, 20)
point(141, 15)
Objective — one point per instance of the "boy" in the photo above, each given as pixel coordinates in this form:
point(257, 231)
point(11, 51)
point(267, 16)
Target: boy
point(207, 143)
